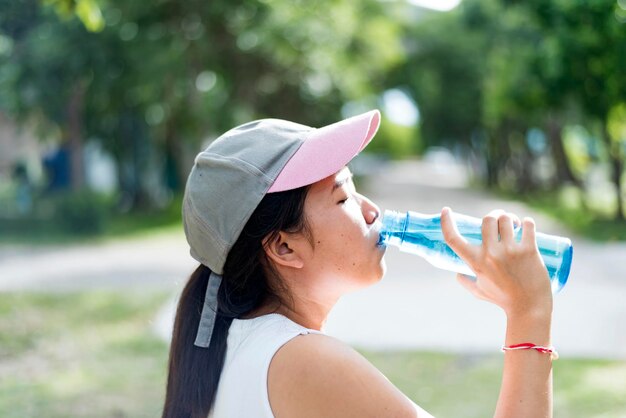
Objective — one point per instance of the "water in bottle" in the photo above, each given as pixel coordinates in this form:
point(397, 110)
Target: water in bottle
point(421, 234)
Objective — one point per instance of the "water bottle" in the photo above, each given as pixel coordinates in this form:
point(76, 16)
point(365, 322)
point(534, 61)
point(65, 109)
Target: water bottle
point(421, 234)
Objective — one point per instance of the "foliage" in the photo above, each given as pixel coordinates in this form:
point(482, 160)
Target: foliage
point(568, 207)
point(502, 81)
point(396, 141)
point(49, 224)
point(443, 73)
point(504, 78)
point(87, 11)
point(82, 212)
point(74, 214)
point(156, 81)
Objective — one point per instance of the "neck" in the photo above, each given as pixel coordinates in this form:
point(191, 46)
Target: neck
point(308, 307)
point(309, 313)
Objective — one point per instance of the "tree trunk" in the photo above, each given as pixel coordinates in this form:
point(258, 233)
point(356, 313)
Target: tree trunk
point(525, 181)
point(492, 161)
point(134, 154)
point(501, 151)
point(617, 168)
point(496, 148)
point(175, 170)
point(140, 155)
point(73, 131)
point(564, 172)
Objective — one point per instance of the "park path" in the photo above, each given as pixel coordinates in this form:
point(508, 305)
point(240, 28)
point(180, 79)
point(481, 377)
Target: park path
point(414, 307)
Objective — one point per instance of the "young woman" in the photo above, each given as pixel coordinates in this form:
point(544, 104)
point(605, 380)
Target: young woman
point(271, 213)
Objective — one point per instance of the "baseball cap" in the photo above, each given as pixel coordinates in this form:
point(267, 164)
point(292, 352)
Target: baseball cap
point(232, 175)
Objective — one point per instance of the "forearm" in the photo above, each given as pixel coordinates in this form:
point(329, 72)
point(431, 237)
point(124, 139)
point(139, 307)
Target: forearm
point(526, 389)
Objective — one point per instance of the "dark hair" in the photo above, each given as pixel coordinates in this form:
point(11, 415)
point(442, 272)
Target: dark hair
point(248, 281)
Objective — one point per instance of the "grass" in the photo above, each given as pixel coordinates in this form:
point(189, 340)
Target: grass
point(80, 355)
point(92, 354)
point(448, 385)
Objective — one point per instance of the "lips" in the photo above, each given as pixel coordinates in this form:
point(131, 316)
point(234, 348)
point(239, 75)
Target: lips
point(376, 228)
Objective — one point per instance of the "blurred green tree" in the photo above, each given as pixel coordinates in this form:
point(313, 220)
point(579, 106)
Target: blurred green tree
point(493, 73)
point(583, 57)
point(158, 80)
point(39, 79)
point(443, 72)
point(522, 91)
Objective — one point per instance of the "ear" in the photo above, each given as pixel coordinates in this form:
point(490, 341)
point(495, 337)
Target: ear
point(283, 250)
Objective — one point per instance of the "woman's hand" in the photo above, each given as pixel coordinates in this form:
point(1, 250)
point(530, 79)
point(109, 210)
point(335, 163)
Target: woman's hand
point(512, 275)
point(508, 273)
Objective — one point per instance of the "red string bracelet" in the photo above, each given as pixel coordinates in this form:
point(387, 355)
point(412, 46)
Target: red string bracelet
point(530, 346)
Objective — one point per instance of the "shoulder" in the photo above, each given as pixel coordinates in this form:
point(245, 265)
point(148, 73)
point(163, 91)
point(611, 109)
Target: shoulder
point(316, 375)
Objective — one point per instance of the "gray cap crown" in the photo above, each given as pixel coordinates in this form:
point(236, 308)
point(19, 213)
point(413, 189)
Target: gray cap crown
point(228, 181)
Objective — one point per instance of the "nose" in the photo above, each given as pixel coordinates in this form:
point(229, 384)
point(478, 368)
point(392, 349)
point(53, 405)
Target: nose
point(370, 210)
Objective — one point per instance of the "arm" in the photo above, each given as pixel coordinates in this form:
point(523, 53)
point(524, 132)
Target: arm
point(512, 276)
point(526, 388)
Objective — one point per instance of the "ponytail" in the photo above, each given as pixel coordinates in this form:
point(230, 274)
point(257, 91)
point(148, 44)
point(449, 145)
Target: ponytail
point(194, 372)
point(248, 282)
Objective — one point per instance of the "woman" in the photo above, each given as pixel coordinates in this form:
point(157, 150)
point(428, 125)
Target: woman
point(272, 215)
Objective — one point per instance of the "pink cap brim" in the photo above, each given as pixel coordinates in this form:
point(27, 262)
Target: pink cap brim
point(327, 150)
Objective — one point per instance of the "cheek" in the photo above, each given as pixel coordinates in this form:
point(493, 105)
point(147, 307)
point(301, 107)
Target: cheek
point(349, 249)
point(347, 233)
point(335, 247)
point(340, 237)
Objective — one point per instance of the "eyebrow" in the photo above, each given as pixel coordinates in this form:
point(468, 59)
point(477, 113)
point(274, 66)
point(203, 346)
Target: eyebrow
point(341, 182)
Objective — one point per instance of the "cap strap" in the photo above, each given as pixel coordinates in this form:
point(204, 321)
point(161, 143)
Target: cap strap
point(209, 312)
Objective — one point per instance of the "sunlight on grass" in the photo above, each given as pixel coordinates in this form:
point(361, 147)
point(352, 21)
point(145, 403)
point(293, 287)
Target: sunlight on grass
point(93, 354)
point(81, 355)
point(449, 385)
point(611, 380)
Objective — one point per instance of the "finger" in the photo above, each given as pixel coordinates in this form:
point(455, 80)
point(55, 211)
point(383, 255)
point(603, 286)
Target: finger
point(453, 238)
point(469, 283)
point(528, 232)
point(489, 228)
point(517, 225)
point(505, 226)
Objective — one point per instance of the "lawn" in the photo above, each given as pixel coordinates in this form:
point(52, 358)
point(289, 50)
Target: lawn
point(93, 354)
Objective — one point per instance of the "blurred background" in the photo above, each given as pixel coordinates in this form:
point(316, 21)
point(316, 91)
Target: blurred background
point(486, 104)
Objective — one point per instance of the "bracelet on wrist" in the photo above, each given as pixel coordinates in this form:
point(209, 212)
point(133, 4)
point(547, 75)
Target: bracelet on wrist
point(530, 346)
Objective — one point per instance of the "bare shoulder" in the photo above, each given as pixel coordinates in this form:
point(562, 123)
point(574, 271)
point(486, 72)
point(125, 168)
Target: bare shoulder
point(319, 376)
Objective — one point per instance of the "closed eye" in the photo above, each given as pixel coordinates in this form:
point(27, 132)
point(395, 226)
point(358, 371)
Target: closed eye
point(342, 201)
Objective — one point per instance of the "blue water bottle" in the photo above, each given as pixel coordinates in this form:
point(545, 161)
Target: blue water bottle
point(421, 234)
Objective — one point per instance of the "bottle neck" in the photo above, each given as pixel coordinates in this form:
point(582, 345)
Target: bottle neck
point(394, 226)
point(416, 228)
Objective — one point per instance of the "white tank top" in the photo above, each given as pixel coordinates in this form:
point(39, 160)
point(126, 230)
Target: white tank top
point(251, 345)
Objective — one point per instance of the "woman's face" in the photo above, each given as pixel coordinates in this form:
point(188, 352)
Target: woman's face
point(344, 232)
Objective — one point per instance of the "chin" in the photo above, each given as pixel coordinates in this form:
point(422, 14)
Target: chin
point(382, 269)
point(378, 272)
